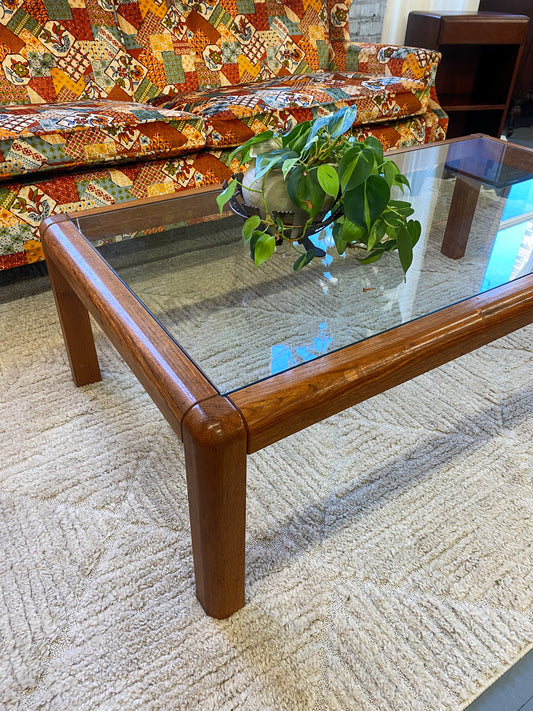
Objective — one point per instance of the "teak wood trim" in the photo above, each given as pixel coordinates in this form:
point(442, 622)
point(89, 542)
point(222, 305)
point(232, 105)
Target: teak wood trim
point(76, 328)
point(171, 379)
point(288, 402)
point(214, 439)
point(144, 214)
point(462, 208)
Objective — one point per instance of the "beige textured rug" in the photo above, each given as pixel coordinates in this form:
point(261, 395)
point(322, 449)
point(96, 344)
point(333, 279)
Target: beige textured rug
point(389, 553)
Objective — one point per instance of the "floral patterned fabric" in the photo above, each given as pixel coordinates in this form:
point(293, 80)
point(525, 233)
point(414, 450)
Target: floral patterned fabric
point(56, 50)
point(72, 138)
point(51, 136)
point(24, 205)
point(195, 44)
point(234, 114)
point(375, 59)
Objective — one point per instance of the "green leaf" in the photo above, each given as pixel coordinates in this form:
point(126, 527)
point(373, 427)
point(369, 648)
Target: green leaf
point(391, 219)
point(226, 195)
point(259, 138)
point(415, 230)
point(251, 224)
point(298, 144)
point(373, 257)
point(270, 160)
point(328, 179)
point(303, 260)
point(344, 231)
point(402, 206)
point(390, 170)
point(400, 179)
point(354, 169)
point(304, 190)
point(341, 121)
point(263, 248)
point(355, 205)
point(316, 127)
point(351, 232)
point(377, 195)
point(370, 156)
point(347, 165)
point(376, 147)
point(297, 132)
point(405, 248)
point(287, 165)
point(376, 234)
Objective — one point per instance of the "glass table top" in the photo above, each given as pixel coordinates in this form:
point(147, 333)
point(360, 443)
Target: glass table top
point(241, 324)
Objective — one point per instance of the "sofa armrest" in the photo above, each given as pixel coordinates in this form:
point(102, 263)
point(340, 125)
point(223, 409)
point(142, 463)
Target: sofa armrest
point(385, 60)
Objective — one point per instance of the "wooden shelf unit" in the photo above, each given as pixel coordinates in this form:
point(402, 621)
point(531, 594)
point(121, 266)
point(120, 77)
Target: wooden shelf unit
point(481, 52)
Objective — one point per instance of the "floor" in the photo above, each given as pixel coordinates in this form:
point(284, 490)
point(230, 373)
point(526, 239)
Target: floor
point(511, 692)
point(523, 127)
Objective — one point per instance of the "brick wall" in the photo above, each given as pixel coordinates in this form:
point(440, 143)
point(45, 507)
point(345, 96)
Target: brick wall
point(366, 20)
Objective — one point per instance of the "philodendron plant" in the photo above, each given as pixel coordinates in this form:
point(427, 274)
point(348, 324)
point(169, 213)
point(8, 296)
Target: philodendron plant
point(318, 175)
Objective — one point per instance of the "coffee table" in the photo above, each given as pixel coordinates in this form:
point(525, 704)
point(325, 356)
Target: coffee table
point(237, 358)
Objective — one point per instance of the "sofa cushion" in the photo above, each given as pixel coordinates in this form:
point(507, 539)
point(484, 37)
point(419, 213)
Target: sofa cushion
point(234, 114)
point(387, 60)
point(24, 204)
point(49, 137)
point(194, 44)
point(62, 51)
point(375, 59)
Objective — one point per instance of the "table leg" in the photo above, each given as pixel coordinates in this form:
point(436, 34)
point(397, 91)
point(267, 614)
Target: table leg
point(214, 437)
point(76, 327)
point(462, 208)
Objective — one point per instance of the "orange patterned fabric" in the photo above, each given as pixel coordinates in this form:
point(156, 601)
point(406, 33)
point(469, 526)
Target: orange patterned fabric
point(55, 50)
point(375, 59)
point(72, 138)
point(47, 137)
point(23, 205)
point(234, 114)
point(184, 46)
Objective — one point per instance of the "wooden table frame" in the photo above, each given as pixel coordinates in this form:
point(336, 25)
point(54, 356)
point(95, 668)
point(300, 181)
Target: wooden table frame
point(219, 431)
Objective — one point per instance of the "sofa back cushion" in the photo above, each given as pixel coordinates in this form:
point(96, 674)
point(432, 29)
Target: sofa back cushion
point(197, 44)
point(61, 51)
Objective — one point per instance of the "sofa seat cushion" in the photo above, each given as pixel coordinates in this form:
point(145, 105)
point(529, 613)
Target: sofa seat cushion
point(235, 113)
point(49, 137)
point(24, 204)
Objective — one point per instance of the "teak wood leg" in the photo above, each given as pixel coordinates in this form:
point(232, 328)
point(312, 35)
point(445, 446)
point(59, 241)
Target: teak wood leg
point(76, 327)
point(462, 208)
point(214, 438)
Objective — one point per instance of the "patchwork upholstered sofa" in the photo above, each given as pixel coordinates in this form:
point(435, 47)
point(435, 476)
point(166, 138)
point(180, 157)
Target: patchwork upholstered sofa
point(105, 101)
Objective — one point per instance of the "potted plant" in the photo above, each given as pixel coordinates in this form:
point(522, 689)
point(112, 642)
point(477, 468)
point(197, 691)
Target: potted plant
point(298, 182)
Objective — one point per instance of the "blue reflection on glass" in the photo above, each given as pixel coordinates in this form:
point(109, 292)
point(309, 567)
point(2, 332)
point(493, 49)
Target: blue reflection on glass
point(287, 356)
point(512, 246)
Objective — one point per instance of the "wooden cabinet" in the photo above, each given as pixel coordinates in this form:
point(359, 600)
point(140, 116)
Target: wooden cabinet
point(480, 56)
point(523, 86)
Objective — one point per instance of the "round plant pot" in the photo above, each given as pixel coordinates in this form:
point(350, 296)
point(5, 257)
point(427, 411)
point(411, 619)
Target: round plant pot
point(248, 200)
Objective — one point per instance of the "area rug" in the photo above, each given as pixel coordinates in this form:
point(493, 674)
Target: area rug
point(389, 548)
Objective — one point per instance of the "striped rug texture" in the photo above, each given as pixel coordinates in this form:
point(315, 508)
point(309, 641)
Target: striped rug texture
point(389, 548)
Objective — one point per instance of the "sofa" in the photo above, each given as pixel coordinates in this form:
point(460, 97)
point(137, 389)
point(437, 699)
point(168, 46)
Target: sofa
point(106, 101)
